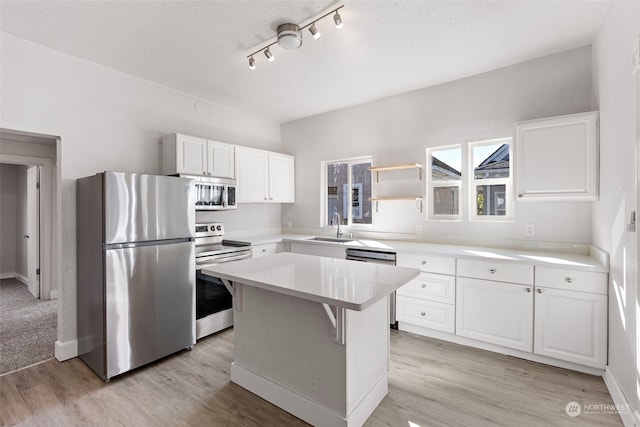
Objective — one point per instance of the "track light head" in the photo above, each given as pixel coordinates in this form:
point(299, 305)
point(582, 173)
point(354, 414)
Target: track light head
point(252, 63)
point(338, 20)
point(269, 55)
point(314, 31)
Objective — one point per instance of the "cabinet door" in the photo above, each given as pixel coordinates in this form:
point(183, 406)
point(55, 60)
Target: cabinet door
point(556, 158)
point(191, 155)
point(266, 249)
point(220, 159)
point(318, 250)
point(281, 178)
point(251, 174)
point(571, 326)
point(493, 312)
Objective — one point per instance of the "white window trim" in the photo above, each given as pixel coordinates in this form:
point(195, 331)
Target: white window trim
point(472, 183)
point(323, 193)
point(431, 184)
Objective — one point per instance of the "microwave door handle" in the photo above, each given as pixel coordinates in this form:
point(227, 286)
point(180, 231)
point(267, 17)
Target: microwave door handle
point(224, 196)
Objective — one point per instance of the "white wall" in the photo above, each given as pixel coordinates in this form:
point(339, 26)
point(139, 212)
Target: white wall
point(615, 97)
point(399, 129)
point(108, 120)
point(8, 199)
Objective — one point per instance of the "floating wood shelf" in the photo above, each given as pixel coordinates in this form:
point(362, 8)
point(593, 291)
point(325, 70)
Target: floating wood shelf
point(378, 169)
point(418, 200)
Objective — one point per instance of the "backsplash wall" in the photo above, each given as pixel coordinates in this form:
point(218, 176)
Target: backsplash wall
point(398, 129)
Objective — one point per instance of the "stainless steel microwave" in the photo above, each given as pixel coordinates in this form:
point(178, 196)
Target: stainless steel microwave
point(214, 194)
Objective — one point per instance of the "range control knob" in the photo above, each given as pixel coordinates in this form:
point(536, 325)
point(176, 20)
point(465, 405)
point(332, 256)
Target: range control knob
point(219, 227)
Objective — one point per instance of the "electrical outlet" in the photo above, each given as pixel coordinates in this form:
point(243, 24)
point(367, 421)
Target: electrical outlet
point(530, 230)
point(419, 230)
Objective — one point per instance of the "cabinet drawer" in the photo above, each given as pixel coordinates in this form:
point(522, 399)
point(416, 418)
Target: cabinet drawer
point(267, 249)
point(428, 314)
point(572, 280)
point(432, 287)
point(496, 270)
point(427, 263)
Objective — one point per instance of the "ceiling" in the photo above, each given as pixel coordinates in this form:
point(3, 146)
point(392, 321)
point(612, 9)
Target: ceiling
point(384, 48)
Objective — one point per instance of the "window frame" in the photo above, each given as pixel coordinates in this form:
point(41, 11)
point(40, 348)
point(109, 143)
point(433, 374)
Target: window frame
point(473, 182)
point(431, 184)
point(324, 220)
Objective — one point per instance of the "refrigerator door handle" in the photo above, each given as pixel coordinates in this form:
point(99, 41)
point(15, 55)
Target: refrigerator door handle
point(131, 245)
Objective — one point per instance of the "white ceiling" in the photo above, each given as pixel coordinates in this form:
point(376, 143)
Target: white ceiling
point(384, 48)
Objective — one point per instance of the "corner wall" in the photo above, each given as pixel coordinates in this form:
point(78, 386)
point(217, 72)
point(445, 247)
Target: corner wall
point(398, 129)
point(108, 120)
point(615, 97)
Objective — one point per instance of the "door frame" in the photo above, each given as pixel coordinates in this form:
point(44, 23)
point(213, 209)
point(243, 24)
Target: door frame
point(48, 259)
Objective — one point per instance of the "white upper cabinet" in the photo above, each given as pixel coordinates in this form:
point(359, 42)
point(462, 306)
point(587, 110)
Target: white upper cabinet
point(281, 177)
point(183, 154)
point(264, 176)
point(557, 158)
point(221, 159)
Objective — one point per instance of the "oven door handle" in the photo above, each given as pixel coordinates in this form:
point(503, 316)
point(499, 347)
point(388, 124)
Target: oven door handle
point(214, 260)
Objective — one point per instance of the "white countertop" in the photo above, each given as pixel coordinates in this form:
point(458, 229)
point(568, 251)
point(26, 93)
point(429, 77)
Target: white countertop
point(538, 258)
point(349, 284)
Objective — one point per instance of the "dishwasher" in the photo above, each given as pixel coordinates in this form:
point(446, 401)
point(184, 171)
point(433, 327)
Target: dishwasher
point(379, 257)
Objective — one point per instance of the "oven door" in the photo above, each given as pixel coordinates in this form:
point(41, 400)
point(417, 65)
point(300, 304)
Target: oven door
point(212, 295)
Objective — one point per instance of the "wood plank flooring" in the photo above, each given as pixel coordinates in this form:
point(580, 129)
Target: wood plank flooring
point(431, 383)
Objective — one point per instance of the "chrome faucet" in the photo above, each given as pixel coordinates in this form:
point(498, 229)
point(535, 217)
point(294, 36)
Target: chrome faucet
point(335, 219)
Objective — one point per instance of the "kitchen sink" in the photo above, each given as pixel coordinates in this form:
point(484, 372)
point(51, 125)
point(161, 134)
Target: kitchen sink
point(331, 239)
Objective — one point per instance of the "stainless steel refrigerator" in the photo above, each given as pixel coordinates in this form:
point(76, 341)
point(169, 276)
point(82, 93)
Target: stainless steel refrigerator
point(135, 269)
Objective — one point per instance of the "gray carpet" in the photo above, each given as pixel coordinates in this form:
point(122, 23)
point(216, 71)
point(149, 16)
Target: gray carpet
point(27, 327)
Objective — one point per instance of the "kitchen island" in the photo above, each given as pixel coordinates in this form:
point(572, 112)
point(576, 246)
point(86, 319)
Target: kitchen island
point(312, 333)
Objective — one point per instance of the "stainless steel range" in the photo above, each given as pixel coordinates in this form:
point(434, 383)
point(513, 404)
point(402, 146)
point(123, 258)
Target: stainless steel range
point(214, 305)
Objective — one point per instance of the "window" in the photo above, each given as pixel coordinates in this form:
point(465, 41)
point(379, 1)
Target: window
point(490, 180)
point(353, 206)
point(445, 182)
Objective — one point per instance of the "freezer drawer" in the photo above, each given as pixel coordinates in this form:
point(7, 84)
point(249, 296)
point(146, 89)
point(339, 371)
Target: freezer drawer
point(150, 304)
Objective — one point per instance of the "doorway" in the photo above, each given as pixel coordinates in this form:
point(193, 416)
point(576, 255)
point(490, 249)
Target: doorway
point(28, 266)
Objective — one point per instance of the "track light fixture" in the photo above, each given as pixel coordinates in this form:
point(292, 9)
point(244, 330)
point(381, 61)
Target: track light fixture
point(314, 31)
point(338, 20)
point(269, 55)
point(289, 36)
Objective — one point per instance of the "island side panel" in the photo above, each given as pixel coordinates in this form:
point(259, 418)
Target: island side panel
point(286, 340)
point(367, 340)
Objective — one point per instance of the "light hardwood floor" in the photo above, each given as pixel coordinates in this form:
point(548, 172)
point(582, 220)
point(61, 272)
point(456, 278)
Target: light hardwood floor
point(431, 383)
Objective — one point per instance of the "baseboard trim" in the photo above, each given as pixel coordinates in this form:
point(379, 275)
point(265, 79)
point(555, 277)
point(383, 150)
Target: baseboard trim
point(7, 275)
point(53, 294)
point(66, 350)
point(470, 342)
point(305, 409)
point(22, 279)
point(629, 418)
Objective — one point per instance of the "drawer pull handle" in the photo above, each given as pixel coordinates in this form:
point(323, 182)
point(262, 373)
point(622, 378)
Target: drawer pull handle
point(422, 313)
point(568, 279)
point(527, 289)
point(424, 285)
point(264, 250)
point(492, 270)
point(539, 291)
point(423, 263)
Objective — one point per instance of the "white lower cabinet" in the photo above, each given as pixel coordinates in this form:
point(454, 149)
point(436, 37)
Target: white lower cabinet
point(319, 250)
point(571, 326)
point(428, 314)
point(266, 249)
point(495, 312)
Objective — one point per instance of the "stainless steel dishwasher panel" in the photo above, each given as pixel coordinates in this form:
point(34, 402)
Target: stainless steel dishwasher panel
point(150, 303)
